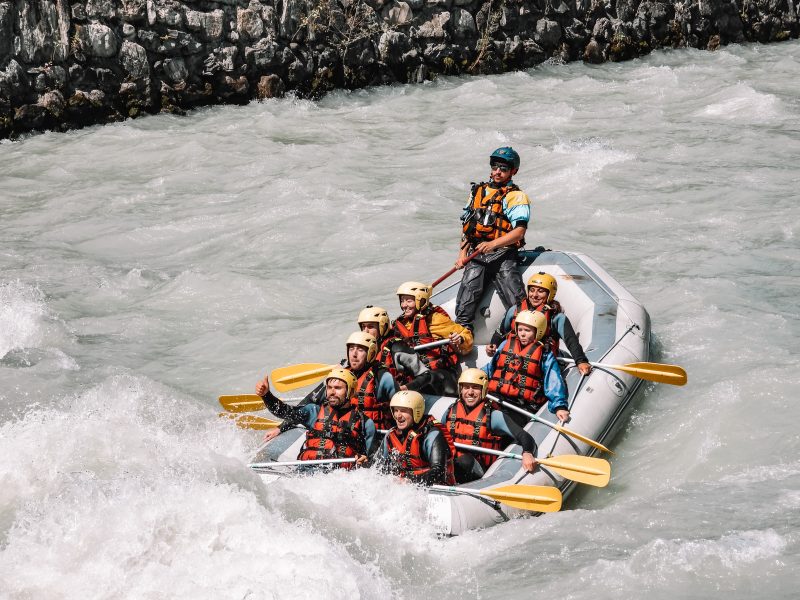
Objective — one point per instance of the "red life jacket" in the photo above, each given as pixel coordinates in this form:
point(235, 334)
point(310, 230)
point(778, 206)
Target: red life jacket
point(473, 427)
point(335, 435)
point(518, 373)
point(407, 454)
point(485, 221)
point(550, 337)
point(441, 357)
point(366, 398)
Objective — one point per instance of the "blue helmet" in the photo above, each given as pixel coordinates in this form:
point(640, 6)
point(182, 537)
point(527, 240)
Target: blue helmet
point(506, 154)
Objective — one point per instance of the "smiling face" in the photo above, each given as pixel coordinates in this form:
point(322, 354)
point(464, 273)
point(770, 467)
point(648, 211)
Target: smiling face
point(525, 333)
point(501, 173)
point(537, 295)
point(403, 417)
point(470, 393)
point(408, 306)
point(356, 356)
point(336, 393)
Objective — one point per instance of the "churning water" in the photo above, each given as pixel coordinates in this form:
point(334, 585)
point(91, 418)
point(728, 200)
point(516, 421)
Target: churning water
point(149, 266)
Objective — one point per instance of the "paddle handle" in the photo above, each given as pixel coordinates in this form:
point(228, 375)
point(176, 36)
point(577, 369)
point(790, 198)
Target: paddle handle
point(301, 463)
point(453, 270)
point(435, 344)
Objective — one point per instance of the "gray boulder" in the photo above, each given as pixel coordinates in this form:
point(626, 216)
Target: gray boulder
point(548, 33)
point(134, 60)
point(101, 40)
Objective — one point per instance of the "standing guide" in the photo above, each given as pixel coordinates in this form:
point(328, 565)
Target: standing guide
point(494, 224)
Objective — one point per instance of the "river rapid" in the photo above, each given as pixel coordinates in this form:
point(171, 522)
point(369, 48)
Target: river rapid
point(149, 266)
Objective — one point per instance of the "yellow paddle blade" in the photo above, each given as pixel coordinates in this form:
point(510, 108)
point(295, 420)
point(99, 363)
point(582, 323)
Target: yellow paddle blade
point(583, 469)
point(242, 403)
point(297, 376)
point(251, 421)
point(537, 498)
point(671, 374)
point(582, 438)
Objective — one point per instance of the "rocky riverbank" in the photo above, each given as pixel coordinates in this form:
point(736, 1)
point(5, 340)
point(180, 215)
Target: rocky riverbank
point(69, 63)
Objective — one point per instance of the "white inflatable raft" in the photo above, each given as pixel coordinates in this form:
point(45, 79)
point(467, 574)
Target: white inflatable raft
point(613, 327)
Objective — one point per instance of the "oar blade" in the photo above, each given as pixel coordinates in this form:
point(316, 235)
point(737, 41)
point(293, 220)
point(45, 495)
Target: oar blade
point(582, 438)
point(251, 421)
point(583, 469)
point(242, 403)
point(289, 378)
point(536, 498)
point(672, 374)
point(660, 373)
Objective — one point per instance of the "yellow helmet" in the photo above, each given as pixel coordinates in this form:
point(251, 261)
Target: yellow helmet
point(412, 400)
point(365, 340)
point(375, 314)
point(535, 319)
point(420, 291)
point(344, 375)
point(477, 377)
point(548, 282)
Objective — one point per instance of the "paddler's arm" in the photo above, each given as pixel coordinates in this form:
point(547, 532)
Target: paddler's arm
point(565, 331)
point(489, 367)
point(369, 436)
point(503, 425)
point(387, 387)
point(435, 451)
point(443, 327)
point(554, 387)
point(294, 415)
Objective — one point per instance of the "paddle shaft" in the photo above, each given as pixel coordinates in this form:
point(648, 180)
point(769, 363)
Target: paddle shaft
point(453, 270)
point(483, 450)
point(584, 469)
point(301, 463)
point(558, 428)
point(658, 372)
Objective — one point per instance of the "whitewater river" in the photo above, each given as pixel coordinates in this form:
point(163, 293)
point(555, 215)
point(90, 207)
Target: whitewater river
point(149, 266)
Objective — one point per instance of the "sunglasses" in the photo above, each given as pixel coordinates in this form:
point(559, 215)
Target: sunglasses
point(503, 168)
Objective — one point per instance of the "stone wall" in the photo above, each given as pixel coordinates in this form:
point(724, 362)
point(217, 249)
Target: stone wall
point(68, 63)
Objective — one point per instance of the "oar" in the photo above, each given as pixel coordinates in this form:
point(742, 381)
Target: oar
point(660, 373)
point(453, 270)
point(583, 469)
point(301, 463)
point(297, 376)
point(558, 428)
point(536, 498)
point(252, 421)
point(242, 403)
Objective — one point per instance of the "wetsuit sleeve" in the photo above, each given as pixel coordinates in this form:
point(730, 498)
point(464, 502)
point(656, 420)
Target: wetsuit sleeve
point(489, 367)
point(407, 360)
point(554, 387)
point(565, 331)
point(504, 327)
point(369, 435)
point(442, 327)
point(435, 451)
point(387, 387)
point(504, 425)
point(295, 415)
